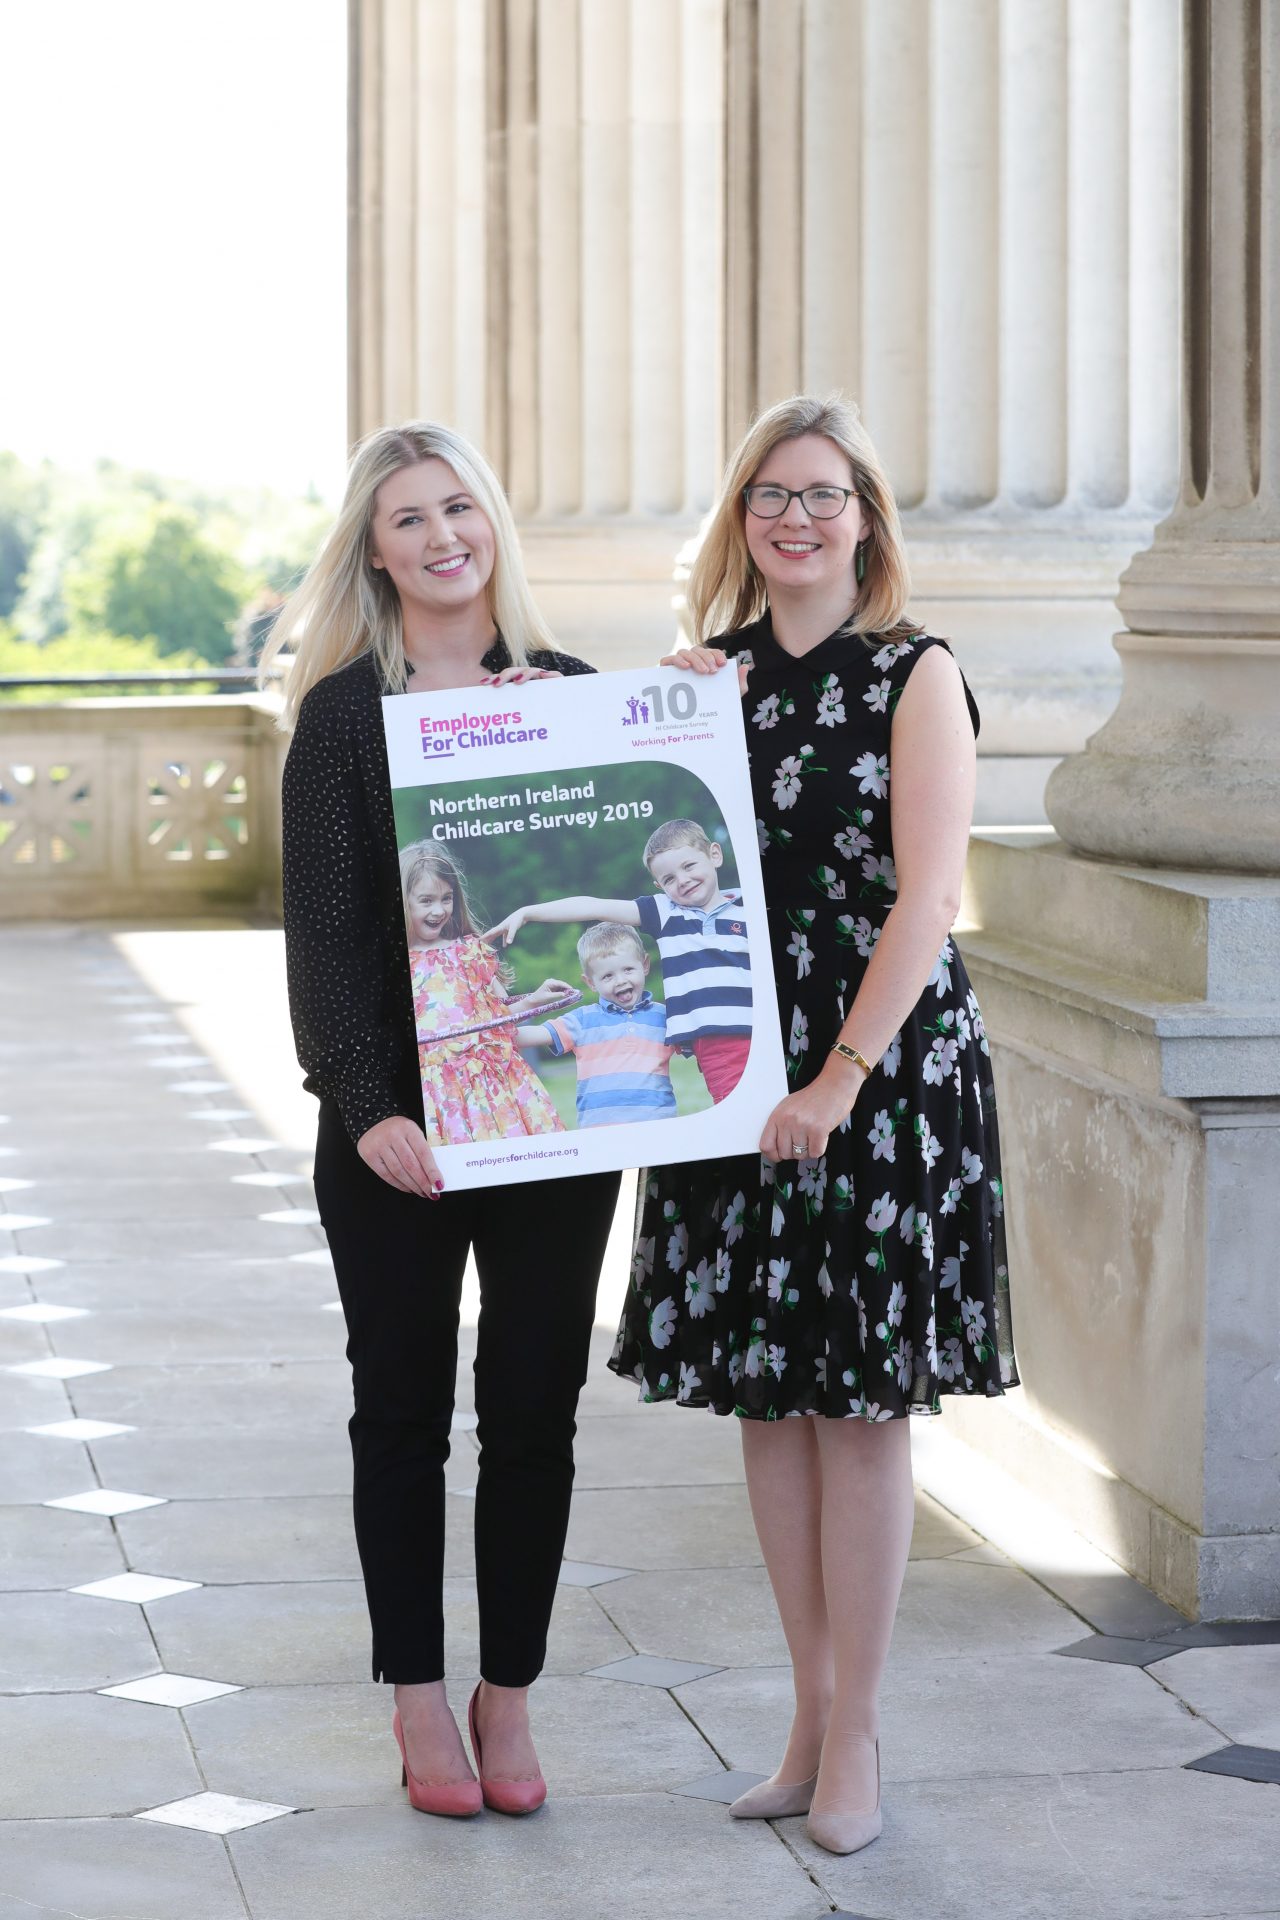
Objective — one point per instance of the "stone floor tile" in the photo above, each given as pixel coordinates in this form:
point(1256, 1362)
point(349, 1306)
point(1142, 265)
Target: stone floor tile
point(720, 1616)
point(1237, 1688)
point(107, 1501)
point(722, 1786)
point(72, 1755)
point(643, 1670)
point(1114, 1603)
point(55, 1641)
point(58, 1367)
point(937, 1532)
point(1129, 1846)
point(115, 1870)
point(953, 1611)
point(283, 1539)
point(140, 1589)
point(27, 1401)
point(1118, 1653)
point(579, 1573)
point(277, 1635)
point(88, 1195)
point(664, 1527)
point(220, 1237)
point(251, 1395)
point(581, 1634)
point(170, 1690)
point(228, 1287)
point(41, 1313)
point(983, 1716)
point(616, 1451)
point(215, 1813)
point(663, 1855)
point(43, 1547)
point(213, 1463)
point(282, 1331)
point(1242, 1763)
point(40, 1466)
point(1227, 1633)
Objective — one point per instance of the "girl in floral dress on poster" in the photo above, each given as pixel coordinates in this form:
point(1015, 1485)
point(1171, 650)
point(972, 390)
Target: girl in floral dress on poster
point(475, 1085)
point(854, 1271)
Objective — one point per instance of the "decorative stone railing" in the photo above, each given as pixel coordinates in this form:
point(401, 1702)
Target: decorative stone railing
point(129, 806)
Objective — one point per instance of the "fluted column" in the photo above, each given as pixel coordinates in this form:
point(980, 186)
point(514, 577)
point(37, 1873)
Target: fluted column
point(1186, 773)
point(536, 259)
point(977, 202)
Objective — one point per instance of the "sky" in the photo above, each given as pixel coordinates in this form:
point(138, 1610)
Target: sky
point(172, 234)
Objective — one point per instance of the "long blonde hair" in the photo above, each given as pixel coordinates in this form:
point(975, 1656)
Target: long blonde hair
point(726, 589)
point(344, 606)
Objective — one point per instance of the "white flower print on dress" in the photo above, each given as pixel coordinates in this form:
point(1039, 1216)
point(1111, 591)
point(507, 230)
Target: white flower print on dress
point(880, 870)
point(871, 771)
point(951, 1198)
point(678, 1248)
point(830, 707)
point(762, 837)
point(931, 1343)
point(724, 1269)
point(893, 650)
point(939, 1062)
point(951, 1269)
point(642, 1261)
point(881, 1137)
point(689, 1382)
point(786, 782)
point(826, 881)
point(865, 937)
point(825, 1288)
point(777, 1361)
point(779, 1292)
point(940, 978)
point(877, 696)
point(930, 1145)
point(735, 1218)
point(897, 1301)
point(970, 1167)
point(801, 952)
point(662, 1322)
point(891, 1058)
point(697, 1289)
point(975, 1320)
point(799, 1042)
point(904, 1357)
point(766, 714)
point(951, 1360)
point(884, 1212)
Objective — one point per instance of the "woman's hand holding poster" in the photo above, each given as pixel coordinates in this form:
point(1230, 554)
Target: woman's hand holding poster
point(585, 918)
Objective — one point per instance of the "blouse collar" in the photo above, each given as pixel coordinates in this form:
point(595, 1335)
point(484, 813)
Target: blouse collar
point(837, 650)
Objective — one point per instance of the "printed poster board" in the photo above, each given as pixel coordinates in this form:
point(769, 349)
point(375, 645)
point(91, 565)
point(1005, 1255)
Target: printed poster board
point(585, 917)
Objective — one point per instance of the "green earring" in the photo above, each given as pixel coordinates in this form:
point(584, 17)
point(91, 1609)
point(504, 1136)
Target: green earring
point(860, 562)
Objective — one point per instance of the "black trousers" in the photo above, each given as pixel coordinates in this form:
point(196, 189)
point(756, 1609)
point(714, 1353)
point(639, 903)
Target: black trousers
point(400, 1262)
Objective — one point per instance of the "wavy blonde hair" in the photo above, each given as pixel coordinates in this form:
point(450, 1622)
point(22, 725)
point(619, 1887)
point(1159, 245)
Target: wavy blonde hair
point(726, 589)
point(429, 857)
point(344, 606)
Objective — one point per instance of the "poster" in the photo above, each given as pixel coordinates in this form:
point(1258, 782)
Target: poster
point(584, 912)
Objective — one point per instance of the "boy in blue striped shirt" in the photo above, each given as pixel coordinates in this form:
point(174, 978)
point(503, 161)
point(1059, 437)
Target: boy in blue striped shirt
point(702, 941)
point(619, 1044)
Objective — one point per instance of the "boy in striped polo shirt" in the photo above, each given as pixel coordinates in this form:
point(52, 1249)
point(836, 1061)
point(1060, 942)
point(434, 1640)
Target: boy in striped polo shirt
point(702, 940)
point(619, 1044)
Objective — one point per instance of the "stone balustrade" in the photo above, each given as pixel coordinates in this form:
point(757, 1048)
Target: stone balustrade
point(167, 807)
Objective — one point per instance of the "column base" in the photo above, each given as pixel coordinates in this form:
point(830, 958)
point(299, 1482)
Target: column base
point(1137, 1046)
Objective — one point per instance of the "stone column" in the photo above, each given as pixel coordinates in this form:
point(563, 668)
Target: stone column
point(1186, 772)
point(1134, 999)
point(977, 203)
point(535, 258)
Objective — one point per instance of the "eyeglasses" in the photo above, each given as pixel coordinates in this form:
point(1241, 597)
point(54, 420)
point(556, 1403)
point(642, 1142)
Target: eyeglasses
point(820, 503)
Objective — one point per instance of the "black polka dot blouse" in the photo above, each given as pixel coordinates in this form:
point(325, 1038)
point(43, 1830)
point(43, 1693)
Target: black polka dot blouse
point(348, 966)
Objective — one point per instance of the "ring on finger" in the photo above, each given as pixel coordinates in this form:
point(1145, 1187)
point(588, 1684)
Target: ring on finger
point(799, 1149)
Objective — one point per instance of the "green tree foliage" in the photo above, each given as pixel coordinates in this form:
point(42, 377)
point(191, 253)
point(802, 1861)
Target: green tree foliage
point(22, 507)
point(158, 576)
point(80, 653)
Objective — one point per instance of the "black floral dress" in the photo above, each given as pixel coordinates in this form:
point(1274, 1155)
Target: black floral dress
point(871, 1281)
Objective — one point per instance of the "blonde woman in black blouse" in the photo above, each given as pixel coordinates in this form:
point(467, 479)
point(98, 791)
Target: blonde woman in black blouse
point(420, 585)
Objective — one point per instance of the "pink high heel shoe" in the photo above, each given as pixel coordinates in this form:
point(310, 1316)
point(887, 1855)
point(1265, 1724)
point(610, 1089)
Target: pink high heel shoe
point(458, 1798)
point(504, 1796)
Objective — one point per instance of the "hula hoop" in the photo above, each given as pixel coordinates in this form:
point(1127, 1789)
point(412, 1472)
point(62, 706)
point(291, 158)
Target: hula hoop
point(504, 1020)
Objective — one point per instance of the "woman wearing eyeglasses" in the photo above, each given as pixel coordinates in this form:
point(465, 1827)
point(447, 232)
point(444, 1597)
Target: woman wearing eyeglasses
point(854, 1271)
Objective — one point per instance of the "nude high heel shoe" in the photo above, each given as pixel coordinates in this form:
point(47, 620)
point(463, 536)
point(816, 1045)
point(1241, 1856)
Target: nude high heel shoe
point(774, 1799)
point(458, 1798)
point(504, 1796)
point(847, 1832)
